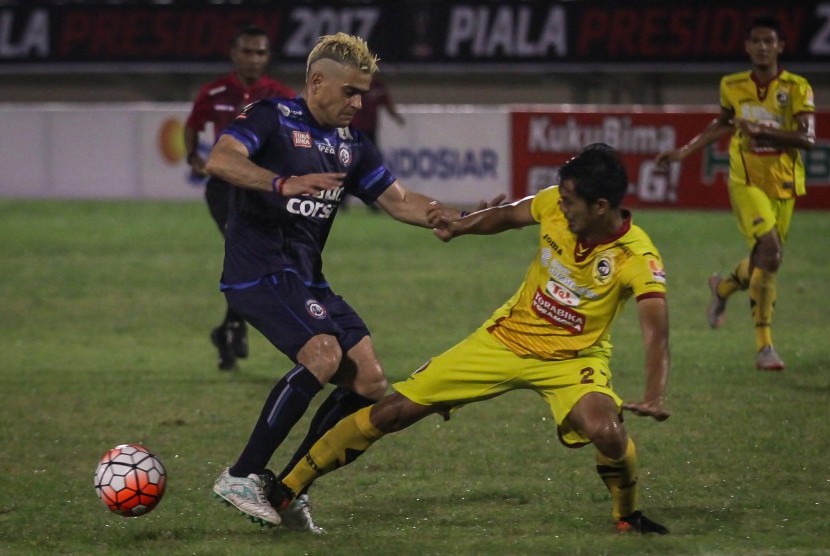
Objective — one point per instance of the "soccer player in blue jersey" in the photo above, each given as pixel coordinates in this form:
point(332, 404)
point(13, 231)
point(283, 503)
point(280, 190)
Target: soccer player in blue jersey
point(292, 161)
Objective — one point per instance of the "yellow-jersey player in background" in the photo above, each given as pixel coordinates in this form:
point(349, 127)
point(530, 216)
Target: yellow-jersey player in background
point(552, 336)
point(770, 114)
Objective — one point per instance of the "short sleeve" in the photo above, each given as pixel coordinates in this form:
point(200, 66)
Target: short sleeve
point(545, 202)
point(803, 100)
point(372, 176)
point(644, 275)
point(725, 101)
point(254, 125)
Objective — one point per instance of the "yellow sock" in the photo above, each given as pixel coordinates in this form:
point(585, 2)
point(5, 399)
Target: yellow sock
point(762, 294)
point(620, 476)
point(341, 445)
point(737, 281)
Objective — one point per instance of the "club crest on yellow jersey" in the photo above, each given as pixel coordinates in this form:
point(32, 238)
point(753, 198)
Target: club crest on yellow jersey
point(603, 269)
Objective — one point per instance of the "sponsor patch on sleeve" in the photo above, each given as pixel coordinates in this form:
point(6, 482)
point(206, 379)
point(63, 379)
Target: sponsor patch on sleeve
point(657, 271)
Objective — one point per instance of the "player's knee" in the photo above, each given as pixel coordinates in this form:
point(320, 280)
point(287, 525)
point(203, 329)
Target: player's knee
point(373, 387)
point(322, 356)
point(769, 259)
point(768, 252)
point(610, 439)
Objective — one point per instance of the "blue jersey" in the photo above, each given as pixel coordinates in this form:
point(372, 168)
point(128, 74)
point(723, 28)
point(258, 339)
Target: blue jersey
point(269, 233)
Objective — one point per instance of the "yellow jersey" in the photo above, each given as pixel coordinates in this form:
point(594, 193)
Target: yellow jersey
point(573, 290)
point(779, 172)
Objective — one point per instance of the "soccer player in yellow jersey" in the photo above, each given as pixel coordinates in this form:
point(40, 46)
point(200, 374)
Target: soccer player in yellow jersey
point(552, 336)
point(769, 112)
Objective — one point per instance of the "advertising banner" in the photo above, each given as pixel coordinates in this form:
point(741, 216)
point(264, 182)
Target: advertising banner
point(87, 151)
point(682, 35)
point(458, 154)
point(545, 137)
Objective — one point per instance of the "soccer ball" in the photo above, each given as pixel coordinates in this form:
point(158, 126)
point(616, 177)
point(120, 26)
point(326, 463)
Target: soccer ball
point(130, 480)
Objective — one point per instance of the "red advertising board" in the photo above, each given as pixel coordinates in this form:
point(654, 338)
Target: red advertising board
point(544, 137)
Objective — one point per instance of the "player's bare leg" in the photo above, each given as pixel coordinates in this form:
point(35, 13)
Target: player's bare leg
point(766, 258)
point(597, 417)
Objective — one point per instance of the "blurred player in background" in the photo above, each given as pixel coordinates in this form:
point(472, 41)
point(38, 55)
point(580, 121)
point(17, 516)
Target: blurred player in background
point(366, 120)
point(217, 104)
point(552, 336)
point(769, 112)
point(292, 161)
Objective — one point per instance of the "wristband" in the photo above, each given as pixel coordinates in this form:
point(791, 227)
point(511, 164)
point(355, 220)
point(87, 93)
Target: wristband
point(277, 183)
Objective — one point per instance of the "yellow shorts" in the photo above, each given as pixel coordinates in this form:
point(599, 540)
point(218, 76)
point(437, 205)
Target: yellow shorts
point(757, 213)
point(480, 367)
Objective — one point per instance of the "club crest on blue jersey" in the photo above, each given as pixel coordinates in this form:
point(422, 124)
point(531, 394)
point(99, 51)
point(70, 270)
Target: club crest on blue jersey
point(344, 155)
point(315, 309)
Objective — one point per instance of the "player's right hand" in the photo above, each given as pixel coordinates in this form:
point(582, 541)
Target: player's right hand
point(653, 409)
point(664, 158)
point(438, 217)
point(311, 184)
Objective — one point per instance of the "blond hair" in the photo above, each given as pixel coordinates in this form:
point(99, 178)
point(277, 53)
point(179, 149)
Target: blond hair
point(349, 50)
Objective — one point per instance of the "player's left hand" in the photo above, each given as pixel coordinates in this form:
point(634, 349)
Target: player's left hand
point(652, 409)
point(749, 128)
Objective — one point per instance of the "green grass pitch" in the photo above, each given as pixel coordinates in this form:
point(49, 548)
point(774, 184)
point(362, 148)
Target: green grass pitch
point(105, 310)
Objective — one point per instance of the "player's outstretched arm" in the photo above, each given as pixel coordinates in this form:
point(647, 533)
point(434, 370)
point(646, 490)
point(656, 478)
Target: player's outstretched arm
point(414, 208)
point(654, 325)
point(229, 161)
point(491, 220)
point(716, 129)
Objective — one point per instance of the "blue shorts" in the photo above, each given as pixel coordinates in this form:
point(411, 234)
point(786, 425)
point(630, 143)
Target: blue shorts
point(289, 313)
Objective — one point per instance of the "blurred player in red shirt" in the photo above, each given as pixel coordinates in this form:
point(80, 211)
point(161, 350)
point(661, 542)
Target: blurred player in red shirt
point(216, 105)
point(366, 120)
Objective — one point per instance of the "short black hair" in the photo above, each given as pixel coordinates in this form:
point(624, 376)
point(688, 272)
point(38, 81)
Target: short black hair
point(767, 22)
point(597, 173)
point(249, 31)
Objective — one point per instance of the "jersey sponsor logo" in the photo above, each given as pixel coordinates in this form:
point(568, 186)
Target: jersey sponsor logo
point(603, 268)
point(310, 208)
point(320, 206)
point(553, 245)
point(561, 293)
point(302, 139)
point(244, 113)
point(781, 97)
point(287, 112)
point(558, 314)
point(657, 271)
point(562, 274)
point(345, 155)
point(315, 309)
point(325, 147)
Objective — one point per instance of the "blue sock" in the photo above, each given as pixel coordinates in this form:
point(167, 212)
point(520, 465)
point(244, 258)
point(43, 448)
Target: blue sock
point(285, 405)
